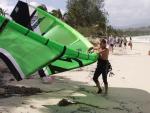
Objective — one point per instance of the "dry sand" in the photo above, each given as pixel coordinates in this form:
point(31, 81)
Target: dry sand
point(129, 89)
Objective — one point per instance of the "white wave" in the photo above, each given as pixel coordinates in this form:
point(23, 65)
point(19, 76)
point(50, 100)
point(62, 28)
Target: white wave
point(141, 39)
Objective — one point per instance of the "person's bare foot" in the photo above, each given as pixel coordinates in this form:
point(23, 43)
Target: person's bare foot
point(106, 92)
point(47, 80)
point(99, 91)
point(106, 89)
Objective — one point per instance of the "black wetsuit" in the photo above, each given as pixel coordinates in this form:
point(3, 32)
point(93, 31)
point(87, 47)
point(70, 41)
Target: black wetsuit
point(102, 68)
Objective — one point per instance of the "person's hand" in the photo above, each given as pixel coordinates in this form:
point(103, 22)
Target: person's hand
point(91, 50)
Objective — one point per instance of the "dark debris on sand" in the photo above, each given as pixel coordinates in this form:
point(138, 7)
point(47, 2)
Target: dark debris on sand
point(8, 91)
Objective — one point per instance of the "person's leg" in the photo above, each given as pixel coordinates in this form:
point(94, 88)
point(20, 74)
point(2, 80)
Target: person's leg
point(45, 79)
point(41, 73)
point(112, 48)
point(124, 45)
point(131, 46)
point(104, 76)
point(95, 78)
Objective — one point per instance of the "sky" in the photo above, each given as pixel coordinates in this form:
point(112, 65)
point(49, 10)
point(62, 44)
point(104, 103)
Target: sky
point(128, 13)
point(51, 4)
point(122, 13)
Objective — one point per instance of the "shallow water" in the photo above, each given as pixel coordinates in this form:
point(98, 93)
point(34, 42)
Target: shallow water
point(141, 39)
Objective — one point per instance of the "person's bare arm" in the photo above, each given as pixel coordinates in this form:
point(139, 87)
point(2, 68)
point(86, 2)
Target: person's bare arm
point(104, 51)
point(94, 49)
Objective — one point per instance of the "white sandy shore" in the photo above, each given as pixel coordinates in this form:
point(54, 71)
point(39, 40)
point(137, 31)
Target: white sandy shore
point(129, 92)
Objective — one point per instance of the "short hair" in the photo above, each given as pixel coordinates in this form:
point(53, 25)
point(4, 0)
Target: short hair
point(103, 41)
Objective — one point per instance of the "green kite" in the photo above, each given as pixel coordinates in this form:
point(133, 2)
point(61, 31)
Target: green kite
point(35, 40)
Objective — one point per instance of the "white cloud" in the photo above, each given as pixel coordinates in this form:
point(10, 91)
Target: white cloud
point(6, 6)
point(128, 13)
point(33, 3)
point(50, 8)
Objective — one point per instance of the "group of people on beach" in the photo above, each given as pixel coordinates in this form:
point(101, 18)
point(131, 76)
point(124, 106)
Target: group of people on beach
point(119, 42)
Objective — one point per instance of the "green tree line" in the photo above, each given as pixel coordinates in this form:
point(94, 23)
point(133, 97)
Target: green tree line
point(89, 17)
point(137, 31)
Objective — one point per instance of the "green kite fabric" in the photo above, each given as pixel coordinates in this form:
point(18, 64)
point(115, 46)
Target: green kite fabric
point(55, 47)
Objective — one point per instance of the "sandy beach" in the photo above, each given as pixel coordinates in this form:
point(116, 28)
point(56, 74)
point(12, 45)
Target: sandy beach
point(129, 90)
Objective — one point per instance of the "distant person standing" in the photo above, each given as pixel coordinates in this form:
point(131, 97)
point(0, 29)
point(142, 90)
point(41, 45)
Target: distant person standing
point(130, 43)
point(120, 42)
point(108, 41)
point(117, 41)
point(111, 43)
point(125, 42)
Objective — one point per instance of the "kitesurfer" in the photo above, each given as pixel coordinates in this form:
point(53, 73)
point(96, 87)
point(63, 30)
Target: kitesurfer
point(102, 66)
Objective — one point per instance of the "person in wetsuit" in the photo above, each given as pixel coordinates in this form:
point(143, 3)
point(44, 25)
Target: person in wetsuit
point(102, 66)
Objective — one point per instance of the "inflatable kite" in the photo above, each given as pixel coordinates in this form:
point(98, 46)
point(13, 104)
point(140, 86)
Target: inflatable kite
point(35, 40)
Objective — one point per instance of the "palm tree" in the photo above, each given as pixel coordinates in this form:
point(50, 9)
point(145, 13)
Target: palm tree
point(3, 12)
point(57, 13)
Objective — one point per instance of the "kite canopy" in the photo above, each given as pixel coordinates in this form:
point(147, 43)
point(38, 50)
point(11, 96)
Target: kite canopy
point(37, 40)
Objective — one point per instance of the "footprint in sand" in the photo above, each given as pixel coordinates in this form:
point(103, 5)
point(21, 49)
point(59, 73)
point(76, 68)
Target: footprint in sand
point(123, 78)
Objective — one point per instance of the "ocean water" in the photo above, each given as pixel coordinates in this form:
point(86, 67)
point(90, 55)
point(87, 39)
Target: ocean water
point(141, 39)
